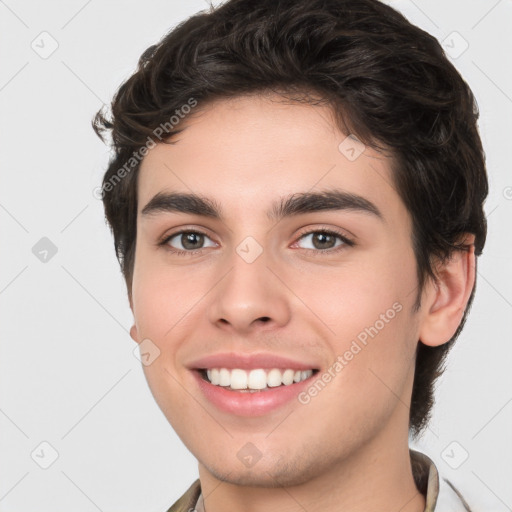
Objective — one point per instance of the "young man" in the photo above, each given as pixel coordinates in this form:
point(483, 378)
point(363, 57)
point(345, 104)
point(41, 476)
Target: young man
point(296, 196)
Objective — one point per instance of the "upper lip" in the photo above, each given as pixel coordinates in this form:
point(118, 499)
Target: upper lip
point(249, 362)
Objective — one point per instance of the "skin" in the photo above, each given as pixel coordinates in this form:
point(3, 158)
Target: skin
point(347, 449)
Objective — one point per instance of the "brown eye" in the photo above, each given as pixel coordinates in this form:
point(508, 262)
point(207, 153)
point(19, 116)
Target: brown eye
point(188, 241)
point(191, 240)
point(324, 240)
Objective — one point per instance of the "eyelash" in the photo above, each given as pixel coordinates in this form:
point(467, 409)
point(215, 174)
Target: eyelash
point(316, 252)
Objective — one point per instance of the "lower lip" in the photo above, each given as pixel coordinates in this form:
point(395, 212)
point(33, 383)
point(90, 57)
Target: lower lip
point(247, 403)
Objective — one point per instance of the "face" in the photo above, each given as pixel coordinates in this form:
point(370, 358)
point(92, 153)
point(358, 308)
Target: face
point(328, 286)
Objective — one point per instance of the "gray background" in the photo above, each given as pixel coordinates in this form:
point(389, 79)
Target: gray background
point(68, 374)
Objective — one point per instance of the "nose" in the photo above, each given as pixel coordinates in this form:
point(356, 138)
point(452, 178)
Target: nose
point(249, 296)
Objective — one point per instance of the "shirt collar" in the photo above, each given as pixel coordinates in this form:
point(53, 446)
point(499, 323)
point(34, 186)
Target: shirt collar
point(426, 477)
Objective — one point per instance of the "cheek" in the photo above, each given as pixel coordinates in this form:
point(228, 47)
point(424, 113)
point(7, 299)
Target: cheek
point(371, 355)
point(164, 298)
point(365, 311)
point(163, 306)
point(361, 294)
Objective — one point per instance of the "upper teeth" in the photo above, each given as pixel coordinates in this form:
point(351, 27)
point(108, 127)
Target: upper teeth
point(255, 379)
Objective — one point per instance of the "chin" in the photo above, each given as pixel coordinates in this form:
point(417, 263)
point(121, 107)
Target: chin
point(265, 473)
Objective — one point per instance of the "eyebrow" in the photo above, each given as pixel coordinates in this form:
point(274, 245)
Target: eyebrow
point(295, 204)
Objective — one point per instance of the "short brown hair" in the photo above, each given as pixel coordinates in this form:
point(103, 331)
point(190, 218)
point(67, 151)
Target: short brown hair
point(388, 82)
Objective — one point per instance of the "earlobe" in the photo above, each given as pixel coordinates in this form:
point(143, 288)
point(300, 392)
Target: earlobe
point(134, 333)
point(447, 299)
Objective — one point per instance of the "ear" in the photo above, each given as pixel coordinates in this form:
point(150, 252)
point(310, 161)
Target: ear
point(446, 300)
point(134, 334)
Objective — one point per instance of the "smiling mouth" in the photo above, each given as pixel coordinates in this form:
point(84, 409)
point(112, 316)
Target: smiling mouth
point(255, 380)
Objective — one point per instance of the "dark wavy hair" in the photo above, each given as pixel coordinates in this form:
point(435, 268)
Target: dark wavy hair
point(387, 81)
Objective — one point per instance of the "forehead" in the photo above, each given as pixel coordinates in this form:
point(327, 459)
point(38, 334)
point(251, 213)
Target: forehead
point(246, 151)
